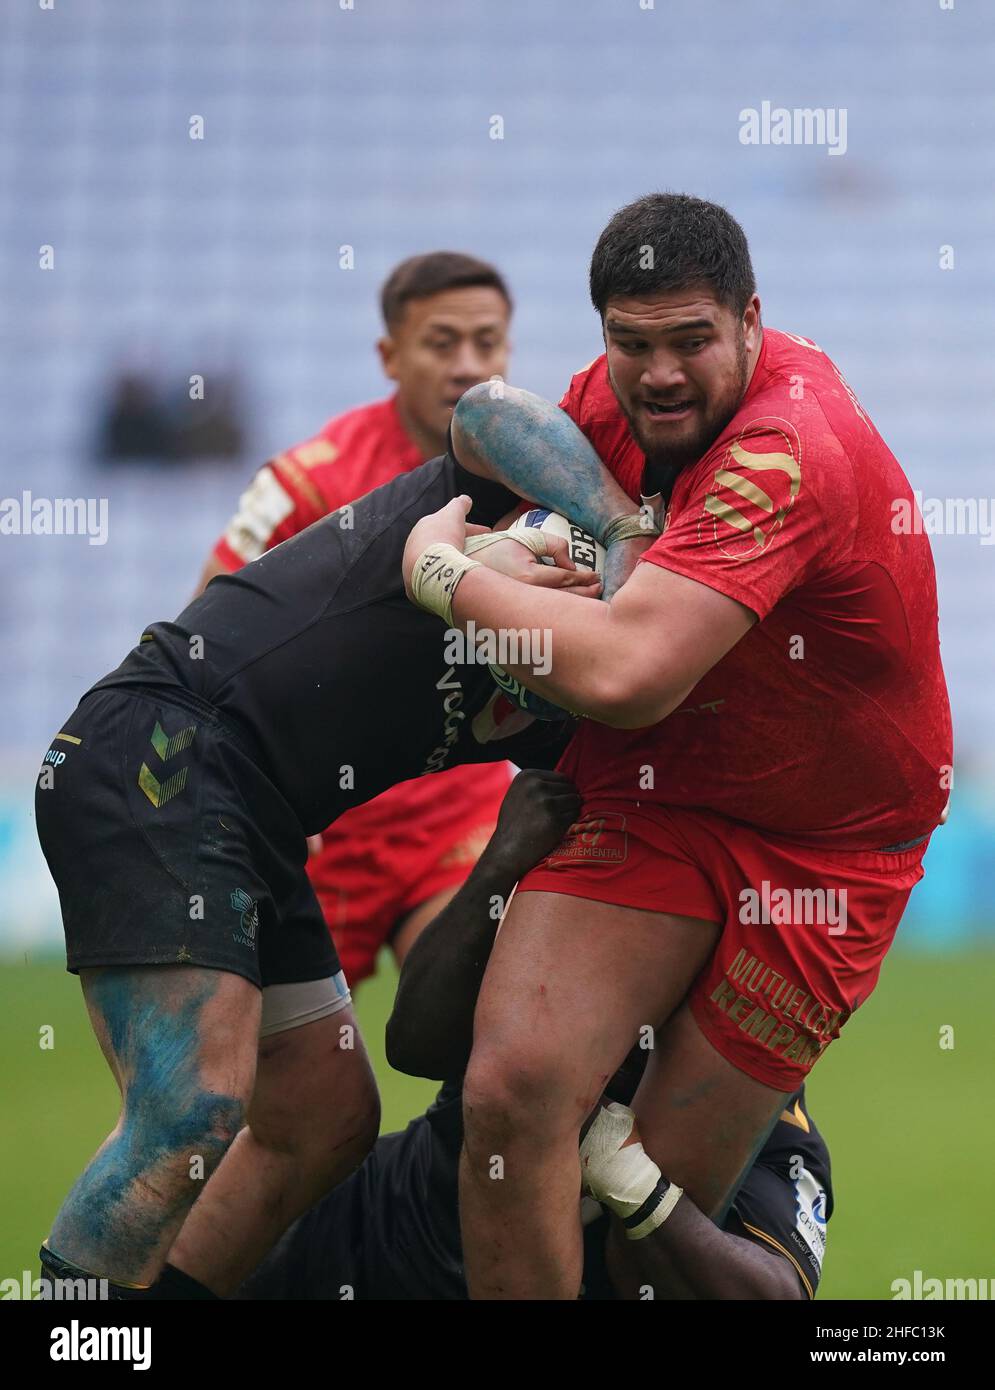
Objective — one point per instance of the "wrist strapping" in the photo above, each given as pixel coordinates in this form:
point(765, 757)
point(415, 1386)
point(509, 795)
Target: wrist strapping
point(625, 1179)
point(437, 572)
point(530, 536)
point(627, 528)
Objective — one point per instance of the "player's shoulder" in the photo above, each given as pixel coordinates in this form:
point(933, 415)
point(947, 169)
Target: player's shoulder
point(781, 446)
point(339, 435)
point(589, 395)
point(351, 453)
point(800, 381)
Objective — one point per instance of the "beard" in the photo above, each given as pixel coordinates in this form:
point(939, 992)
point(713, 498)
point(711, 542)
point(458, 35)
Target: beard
point(669, 459)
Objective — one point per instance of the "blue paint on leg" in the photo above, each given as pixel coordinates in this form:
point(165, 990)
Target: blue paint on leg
point(125, 1205)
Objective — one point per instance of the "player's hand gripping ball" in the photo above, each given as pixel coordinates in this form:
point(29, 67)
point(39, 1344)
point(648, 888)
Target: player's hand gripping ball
point(586, 554)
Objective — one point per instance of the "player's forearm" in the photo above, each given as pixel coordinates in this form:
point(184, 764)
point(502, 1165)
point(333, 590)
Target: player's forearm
point(589, 654)
point(537, 451)
point(430, 1031)
point(689, 1257)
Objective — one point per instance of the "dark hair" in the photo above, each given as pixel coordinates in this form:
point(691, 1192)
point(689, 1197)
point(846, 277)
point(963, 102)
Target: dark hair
point(421, 276)
point(692, 243)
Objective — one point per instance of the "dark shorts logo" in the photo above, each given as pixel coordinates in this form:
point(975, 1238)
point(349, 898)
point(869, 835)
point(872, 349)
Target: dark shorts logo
point(248, 910)
point(162, 788)
point(593, 840)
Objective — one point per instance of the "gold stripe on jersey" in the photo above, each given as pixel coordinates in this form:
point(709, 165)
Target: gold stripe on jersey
point(318, 451)
point(745, 488)
point(286, 465)
point(797, 1117)
point(67, 738)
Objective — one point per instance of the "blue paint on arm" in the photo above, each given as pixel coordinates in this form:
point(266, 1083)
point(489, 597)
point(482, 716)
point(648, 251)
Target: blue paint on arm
point(536, 450)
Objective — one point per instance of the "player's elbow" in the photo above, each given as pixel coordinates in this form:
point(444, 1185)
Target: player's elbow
point(625, 699)
point(408, 1047)
point(481, 418)
point(778, 1285)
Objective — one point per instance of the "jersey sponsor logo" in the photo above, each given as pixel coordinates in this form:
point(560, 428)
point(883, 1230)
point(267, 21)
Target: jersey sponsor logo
point(499, 719)
point(752, 491)
point(600, 839)
point(248, 910)
point(452, 716)
point(810, 1216)
point(261, 508)
point(764, 1002)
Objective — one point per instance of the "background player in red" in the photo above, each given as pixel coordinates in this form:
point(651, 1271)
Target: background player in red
point(772, 750)
point(386, 868)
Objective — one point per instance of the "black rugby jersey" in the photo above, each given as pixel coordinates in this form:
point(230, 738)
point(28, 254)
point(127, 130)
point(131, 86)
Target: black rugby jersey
point(343, 687)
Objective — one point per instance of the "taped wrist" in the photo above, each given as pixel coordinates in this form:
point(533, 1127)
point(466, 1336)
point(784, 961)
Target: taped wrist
point(627, 528)
point(625, 1179)
point(434, 579)
point(530, 536)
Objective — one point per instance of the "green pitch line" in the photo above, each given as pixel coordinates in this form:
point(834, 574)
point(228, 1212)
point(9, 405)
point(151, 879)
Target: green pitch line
point(909, 1124)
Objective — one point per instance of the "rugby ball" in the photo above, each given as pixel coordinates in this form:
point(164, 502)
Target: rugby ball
point(586, 553)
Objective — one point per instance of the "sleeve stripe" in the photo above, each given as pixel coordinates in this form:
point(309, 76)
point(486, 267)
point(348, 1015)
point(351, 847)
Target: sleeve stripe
point(299, 480)
point(762, 1235)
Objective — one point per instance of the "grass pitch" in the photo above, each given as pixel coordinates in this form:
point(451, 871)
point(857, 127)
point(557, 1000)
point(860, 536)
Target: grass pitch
point(909, 1122)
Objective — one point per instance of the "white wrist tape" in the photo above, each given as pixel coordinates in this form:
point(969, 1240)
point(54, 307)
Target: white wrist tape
point(530, 536)
point(625, 1179)
point(437, 572)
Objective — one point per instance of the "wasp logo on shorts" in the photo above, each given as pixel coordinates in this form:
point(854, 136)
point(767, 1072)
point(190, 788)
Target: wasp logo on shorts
point(753, 490)
point(160, 790)
point(248, 910)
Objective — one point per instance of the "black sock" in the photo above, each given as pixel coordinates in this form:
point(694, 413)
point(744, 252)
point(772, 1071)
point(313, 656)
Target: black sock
point(174, 1284)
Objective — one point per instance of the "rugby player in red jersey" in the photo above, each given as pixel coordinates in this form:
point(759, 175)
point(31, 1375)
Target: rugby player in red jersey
point(386, 868)
point(767, 749)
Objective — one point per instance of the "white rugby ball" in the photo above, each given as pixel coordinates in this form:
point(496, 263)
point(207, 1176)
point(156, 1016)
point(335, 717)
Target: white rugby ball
point(584, 550)
point(586, 554)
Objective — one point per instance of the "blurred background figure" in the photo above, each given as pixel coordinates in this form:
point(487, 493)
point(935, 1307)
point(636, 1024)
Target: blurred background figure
point(135, 425)
point(385, 869)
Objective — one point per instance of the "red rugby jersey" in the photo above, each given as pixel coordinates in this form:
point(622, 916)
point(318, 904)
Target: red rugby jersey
point(349, 457)
point(829, 721)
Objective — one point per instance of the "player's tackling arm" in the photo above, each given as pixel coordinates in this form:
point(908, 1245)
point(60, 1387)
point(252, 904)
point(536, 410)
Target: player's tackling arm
point(430, 1031)
point(628, 663)
point(661, 1241)
point(536, 450)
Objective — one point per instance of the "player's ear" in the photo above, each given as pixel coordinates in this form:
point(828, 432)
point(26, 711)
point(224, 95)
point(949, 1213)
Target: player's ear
point(387, 352)
point(751, 321)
